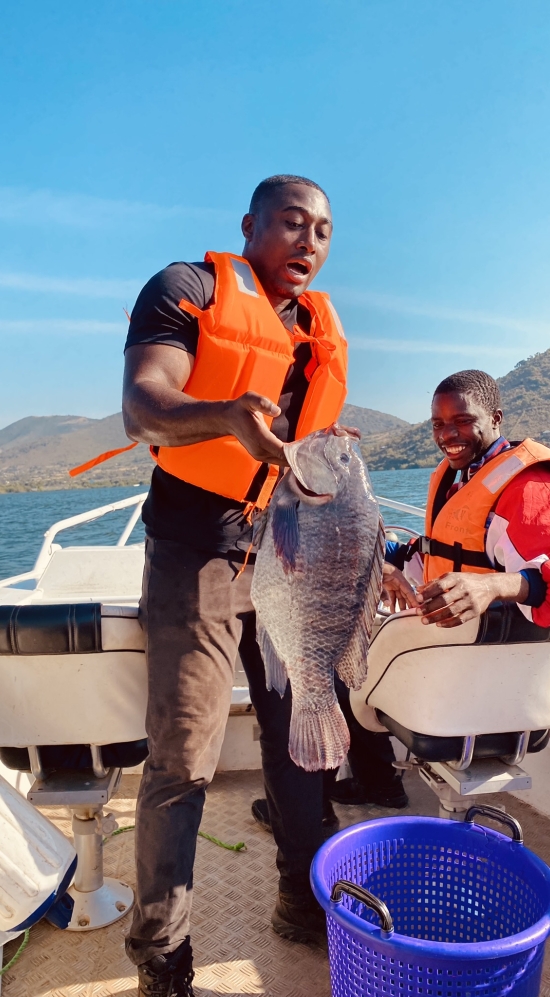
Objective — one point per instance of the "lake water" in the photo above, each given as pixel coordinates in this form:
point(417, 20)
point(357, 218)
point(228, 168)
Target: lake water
point(25, 517)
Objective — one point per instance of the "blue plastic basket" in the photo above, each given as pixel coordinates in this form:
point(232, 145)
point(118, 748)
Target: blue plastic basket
point(418, 905)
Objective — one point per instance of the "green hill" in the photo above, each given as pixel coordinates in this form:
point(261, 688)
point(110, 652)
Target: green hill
point(526, 403)
point(37, 452)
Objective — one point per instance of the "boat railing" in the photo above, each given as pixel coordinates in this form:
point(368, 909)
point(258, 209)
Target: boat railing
point(135, 502)
point(412, 510)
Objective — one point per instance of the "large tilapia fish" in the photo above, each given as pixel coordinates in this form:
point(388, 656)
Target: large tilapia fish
point(316, 587)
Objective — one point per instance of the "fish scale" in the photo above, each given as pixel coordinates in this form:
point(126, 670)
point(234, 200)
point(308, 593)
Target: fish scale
point(316, 587)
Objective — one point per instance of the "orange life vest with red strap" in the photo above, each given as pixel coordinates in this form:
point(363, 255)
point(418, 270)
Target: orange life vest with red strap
point(456, 538)
point(244, 346)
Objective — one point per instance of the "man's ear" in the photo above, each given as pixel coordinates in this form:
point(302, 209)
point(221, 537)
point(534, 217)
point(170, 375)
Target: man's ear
point(498, 417)
point(247, 226)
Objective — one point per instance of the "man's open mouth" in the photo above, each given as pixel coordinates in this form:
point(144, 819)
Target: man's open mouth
point(298, 269)
point(456, 450)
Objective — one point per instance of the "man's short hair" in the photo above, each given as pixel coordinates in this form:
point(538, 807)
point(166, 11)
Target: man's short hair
point(477, 383)
point(267, 188)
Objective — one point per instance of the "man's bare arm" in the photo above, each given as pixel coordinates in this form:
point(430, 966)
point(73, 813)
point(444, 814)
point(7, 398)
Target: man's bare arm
point(157, 411)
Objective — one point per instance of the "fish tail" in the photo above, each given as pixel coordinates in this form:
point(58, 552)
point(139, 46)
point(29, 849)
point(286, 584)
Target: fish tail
point(319, 739)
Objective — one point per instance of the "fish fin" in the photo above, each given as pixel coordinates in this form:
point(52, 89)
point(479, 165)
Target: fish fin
point(275, 671)
point(352, 666)
point(286, 533)
point(319, 739)
point(259, 523)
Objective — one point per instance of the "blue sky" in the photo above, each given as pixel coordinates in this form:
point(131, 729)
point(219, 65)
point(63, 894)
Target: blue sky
point(134, 132)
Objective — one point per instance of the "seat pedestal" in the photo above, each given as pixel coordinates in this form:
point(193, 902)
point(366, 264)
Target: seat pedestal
point(108, 903)
point(457, 790)
point(98, 901)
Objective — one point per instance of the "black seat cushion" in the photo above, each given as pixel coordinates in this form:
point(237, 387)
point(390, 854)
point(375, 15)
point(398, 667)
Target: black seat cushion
point(57, 757)
point(55, 629)
point(504, 623)
point(449, 749)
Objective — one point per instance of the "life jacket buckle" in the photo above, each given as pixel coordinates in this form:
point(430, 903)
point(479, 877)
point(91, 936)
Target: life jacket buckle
point(424, 545)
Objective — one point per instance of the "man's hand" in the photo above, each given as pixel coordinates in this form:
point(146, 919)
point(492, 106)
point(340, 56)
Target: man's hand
point(244, 418)
point(396, 591)
point(457, 597)
point(339, 430)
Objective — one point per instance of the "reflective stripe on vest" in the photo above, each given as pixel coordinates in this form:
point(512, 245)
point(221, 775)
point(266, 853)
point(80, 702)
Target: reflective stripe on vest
point(244, 346)
point(457, 537)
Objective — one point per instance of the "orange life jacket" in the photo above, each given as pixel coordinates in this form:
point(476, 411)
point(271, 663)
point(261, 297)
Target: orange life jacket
point(456, 538)
point(244, 346)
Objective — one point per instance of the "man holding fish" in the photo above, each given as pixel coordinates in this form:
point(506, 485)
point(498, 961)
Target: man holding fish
point(227, 363)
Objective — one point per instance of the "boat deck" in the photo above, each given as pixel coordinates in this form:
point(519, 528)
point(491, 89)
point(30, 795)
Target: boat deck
point(236, 952)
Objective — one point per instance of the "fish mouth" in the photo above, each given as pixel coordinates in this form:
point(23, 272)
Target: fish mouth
point(298, 269)
point(321, 496)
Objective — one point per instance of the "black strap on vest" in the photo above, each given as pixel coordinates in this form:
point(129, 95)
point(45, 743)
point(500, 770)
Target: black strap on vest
point(451, 552)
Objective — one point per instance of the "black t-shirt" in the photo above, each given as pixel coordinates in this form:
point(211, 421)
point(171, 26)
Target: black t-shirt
point(174, 509)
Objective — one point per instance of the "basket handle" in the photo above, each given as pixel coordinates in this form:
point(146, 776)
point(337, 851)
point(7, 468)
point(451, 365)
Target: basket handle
point(366, 898)
point(510, 822)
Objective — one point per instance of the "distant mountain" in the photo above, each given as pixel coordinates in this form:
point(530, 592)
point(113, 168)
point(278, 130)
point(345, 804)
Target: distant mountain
point(34, 427)
point(37, 452)
point(525, 394)
point(369, 421)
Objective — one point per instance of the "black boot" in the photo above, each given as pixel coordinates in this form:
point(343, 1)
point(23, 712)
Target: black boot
point(299, 918)
point(260, 813)
point(351, 792)
point(168, 975)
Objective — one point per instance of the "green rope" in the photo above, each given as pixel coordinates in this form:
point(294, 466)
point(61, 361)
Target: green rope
point(239, 847)
point(119, 830)
point(19, 952)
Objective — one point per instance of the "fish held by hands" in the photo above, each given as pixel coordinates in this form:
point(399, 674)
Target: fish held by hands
point(316, 588)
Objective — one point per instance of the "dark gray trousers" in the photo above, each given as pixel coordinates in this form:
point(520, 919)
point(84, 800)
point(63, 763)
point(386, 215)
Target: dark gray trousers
point(196, 616)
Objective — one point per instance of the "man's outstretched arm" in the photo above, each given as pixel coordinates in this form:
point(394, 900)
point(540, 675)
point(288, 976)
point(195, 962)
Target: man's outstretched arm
point(157, 411)
point(457, 597)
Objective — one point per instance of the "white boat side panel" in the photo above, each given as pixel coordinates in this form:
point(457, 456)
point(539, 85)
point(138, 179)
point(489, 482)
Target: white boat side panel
point(72, 698)
point(241, 745)
point(93, 573)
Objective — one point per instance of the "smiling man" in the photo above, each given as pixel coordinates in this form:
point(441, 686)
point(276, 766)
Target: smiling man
point(487, 533)
point(225, 361)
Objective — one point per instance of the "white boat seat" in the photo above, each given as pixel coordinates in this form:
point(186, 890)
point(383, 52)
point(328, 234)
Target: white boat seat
point(449, 749)
point(50, 629)
point(434, 687)
point(73, 695)
point(76, 757)
point(71, 674)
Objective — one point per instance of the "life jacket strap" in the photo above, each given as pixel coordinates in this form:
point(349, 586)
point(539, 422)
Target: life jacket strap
point(99, 459)
point(459, 555)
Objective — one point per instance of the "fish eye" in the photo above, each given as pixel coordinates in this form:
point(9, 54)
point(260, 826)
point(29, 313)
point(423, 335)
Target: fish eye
point(344, 458)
